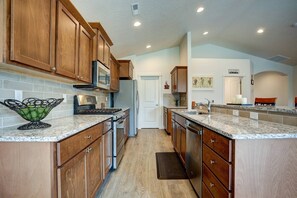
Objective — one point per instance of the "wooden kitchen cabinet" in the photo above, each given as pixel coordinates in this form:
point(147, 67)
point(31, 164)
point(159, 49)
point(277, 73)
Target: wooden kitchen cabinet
point(179, 79)
point(101, 44)
point(217, 164)
point(107, 147)
point(179, 135)
point(94, 166)
point(74, 45)
point(49, 36)
point(127, 124)
point(85, 56)
point(72, 177)
point(114, 75)
point(167, 119)
point(32, 37)
point(126, 69)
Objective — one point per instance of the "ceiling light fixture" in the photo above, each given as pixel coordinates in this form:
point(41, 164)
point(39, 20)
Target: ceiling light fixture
point(205, 33)
point(137, 23)
point(260, 30)
point(200, 9)
point(148, 46)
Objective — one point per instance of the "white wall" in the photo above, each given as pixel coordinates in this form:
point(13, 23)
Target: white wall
point(218, 68)
point(270, 85)
point(160, 62)
point(258, 64)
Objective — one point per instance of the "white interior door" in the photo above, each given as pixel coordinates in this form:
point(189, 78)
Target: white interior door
point(232, 88)
point(149, 102)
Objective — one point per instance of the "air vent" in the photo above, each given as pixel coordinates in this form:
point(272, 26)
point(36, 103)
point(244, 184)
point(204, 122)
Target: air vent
point(233, 71)
point(135, 8)
point(278, 58)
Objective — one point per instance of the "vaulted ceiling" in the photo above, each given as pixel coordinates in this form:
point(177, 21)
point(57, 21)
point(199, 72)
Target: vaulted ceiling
point(229, 23)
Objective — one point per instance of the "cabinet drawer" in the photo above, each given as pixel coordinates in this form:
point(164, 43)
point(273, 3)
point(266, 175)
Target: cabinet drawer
point(205, 192)
point(221, 168)
point(69, 147)
point(220, 144)
point(216, 188)
point(181, 120)
point(107, 125)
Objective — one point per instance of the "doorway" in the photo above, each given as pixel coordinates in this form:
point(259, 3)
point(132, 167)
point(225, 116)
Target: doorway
point(150, 99)
point(232, 87)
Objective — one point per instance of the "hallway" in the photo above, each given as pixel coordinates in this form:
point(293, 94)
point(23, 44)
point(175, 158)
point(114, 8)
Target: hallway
point(137, 174)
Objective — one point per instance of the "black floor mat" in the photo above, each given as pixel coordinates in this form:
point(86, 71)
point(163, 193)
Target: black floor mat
point(169, 166)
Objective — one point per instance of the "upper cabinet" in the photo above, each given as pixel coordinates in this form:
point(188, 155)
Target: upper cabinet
point(114, 74)
point(32, 33)
point(126, 69)
point(101, 45)
point(179, 79)
point(49, 36)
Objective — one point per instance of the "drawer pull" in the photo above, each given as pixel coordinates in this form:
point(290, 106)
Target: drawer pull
point(211, 185)
point(212, 141)
point(88, 137)
point(212, 162)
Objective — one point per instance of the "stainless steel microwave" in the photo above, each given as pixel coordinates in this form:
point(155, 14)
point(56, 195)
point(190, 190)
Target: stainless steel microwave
point(101, 75)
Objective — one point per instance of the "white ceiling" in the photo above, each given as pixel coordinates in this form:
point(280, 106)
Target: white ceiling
point(230, 23)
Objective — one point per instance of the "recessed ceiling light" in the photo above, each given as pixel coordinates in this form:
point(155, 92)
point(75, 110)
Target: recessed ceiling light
point(260, 30)
point(137, 23)
point(200, 9)
point(205, 33)
point(148, 46)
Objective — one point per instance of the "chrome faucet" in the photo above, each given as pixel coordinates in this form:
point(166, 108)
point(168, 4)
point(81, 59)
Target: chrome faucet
point(208, 106)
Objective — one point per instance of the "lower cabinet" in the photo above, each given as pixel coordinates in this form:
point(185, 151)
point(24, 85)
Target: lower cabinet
point(179, 135)
point(70, 168)
point(107, 156)
point(81, 176)
point(127, 124)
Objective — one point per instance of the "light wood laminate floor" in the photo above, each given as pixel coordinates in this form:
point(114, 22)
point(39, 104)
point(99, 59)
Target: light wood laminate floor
point(137, 173)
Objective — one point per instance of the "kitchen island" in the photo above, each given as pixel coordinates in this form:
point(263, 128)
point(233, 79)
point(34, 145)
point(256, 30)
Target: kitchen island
point(243, 157)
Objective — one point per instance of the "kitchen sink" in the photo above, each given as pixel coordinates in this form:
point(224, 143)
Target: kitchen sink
point(194, 112)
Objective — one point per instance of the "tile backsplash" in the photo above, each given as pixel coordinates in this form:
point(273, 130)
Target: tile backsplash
point(39, 88)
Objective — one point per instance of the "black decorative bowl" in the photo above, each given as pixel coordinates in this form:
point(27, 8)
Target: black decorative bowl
point(33, 110)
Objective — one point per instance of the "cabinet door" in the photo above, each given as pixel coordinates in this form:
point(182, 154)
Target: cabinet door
point(117, 77)
point(106, 55)
point(127, 127)
point(107, 138)
point(169, 124)
point(183, 144)
point(94, 164)
point(72, 177)
point(100, 50)
point(178, 138)
point(67, 43)
point(85, 56)
point(33, 33)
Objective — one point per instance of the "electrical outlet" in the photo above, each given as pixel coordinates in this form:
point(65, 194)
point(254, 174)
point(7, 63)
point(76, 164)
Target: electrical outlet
point(65, 98)
point(254, 115)
point(18, 95)
point(235, 112)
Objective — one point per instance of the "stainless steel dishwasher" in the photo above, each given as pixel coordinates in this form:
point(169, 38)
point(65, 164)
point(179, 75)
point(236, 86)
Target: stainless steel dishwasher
point(194, 155)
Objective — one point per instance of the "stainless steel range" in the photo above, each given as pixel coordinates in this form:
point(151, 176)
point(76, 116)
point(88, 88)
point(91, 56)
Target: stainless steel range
point(85, 104)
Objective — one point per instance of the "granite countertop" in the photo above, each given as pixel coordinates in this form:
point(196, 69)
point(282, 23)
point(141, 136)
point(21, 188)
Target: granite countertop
point(275, 109)
point(235, 127)
point(61, 128)
point(175, 107)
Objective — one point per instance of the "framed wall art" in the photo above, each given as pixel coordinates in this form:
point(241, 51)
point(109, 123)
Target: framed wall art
point(202, 82)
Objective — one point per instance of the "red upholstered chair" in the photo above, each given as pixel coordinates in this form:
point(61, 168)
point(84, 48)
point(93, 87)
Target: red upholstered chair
point(295, 101)
point(265, 101)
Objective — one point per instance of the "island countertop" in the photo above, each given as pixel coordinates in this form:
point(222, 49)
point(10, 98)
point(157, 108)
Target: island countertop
point(61, 128)
point(235, 127)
